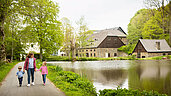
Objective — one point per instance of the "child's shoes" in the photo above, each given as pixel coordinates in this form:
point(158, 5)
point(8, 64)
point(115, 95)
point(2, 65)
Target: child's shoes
point(28, 85)
point(44, 84)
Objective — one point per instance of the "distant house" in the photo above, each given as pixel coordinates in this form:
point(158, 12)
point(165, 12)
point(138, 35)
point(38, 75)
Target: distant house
point(150, 48)
point(31, 47)
point(104, 43)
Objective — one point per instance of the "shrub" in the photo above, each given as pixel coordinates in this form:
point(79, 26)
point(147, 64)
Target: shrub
point(128, 92)
point(71, 83)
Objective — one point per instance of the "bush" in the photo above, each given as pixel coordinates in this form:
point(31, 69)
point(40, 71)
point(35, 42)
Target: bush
point(71, 83)
point(57, 58)
point(128, 92)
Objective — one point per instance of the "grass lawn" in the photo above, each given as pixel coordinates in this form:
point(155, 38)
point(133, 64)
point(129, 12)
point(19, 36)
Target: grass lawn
point(5, 68)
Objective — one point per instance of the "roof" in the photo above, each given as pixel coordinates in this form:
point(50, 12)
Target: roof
point(150, 45)
point(100, 35)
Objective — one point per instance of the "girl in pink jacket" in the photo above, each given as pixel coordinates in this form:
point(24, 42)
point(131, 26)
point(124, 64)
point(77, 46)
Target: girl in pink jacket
point(44, 72)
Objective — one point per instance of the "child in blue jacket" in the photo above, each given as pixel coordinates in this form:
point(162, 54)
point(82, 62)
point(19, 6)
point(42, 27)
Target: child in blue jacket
point(20, 75)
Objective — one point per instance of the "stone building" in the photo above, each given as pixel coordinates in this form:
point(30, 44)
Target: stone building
point(150, 48)
point(104, 43)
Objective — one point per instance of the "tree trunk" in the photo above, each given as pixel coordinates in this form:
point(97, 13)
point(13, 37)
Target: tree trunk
point(41, 49)
point(2, 39)
point(163, 17)
point(170, 22)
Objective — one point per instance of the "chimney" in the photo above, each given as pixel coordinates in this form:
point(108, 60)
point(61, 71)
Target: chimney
point(158, 45)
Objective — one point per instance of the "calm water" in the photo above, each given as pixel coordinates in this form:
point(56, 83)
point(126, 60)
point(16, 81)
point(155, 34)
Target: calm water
point(143, 75)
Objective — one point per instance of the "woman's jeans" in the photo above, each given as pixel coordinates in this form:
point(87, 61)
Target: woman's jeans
point(44, 78)
point(30, 71)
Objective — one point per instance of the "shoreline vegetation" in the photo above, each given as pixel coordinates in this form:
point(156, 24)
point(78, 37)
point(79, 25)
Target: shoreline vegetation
point(5, 69)
point(128, 92)
point(69, 82)
point(72, 84)
point(60, 58)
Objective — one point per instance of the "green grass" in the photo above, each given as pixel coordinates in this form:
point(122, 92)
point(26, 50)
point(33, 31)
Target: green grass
point(69, 82)
point(60, 58)
point(133, 57)
point(157, 58)
point(5, 68)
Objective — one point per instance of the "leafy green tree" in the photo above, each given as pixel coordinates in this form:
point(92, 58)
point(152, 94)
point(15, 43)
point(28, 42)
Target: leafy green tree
point(136, 25)
point(83, 33)
point(69, 37)
point(45, 26)
point(11, 11)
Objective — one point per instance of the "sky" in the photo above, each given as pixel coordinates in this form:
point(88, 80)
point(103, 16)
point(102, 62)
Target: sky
point(100, 14)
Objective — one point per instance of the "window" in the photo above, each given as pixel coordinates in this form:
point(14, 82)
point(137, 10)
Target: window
point(91, 50)
point(87, 55)
point(108, 54)
point(86, 50)
point(94, 54)
point(32, 45)
point(82, 50)
point(115, 54)
point(94, 49)
point(143, 56)
point(164, 54)
point(91, 54)
point(80, 55)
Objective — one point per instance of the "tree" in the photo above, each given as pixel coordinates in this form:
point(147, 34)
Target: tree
point(69, 38)
point(45, 27)
point(170, 20)
point(164, 12)
point(136, 25)
point(8, 8)
point(83, 33)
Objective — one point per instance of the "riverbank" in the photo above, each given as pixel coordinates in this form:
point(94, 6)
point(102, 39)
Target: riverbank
point(125, 92)
point(69, 82)
point(5, 69)
point(60, 58)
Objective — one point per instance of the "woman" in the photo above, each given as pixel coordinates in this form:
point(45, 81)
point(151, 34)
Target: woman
point(30, 66)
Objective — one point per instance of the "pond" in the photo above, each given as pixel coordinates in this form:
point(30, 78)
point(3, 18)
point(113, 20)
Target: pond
point(134, 74)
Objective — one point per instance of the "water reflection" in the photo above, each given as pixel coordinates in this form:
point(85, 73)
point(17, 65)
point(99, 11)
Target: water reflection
point(151, 75)
point(148, 75)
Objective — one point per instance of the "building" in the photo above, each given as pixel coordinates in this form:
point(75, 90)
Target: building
point(150, 48)
point(104, 43)
point(31, 47)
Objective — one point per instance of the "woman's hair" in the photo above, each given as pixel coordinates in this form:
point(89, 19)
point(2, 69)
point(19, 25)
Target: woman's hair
point(44, 62)
point(29, 55)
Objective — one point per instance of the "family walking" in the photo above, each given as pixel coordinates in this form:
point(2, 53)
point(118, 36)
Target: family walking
point(30, 67)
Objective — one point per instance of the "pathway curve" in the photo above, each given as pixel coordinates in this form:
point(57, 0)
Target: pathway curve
point(10, 87)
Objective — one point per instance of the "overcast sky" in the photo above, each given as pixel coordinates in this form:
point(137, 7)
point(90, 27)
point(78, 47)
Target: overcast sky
point(100, 14)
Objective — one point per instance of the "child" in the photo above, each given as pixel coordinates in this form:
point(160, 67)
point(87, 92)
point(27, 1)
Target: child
point(20, 75)
point(44, 71)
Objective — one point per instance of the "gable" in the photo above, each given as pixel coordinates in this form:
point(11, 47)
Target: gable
point(120, 29)
point(111, 42)
point(139, 48)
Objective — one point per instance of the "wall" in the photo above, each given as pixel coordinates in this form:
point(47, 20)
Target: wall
point(100, 52)
point(149, 54)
